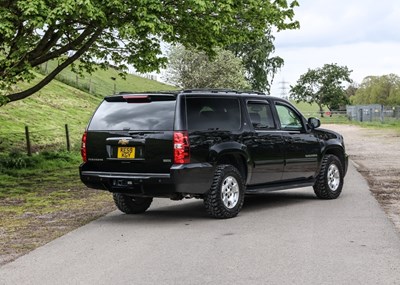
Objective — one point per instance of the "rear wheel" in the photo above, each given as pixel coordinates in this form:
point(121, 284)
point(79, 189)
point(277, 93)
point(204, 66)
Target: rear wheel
point(329, 182)
point(226, 195)
point(131, 204)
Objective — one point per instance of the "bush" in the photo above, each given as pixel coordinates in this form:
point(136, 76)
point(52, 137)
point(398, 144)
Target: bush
point(44, 160)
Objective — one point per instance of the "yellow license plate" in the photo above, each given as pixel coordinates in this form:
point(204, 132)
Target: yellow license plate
point(126, 152)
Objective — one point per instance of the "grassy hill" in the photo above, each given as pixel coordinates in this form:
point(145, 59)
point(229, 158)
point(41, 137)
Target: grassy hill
point(105, 82)
point(57, 104)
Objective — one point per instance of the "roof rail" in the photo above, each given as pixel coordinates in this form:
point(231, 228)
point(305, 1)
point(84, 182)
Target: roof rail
point(226, 91)
point(167, 92)
point(198, 90)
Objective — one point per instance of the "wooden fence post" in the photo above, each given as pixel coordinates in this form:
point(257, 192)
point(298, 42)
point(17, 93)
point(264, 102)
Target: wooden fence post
point(90, 85)
point(67, 137)
point(28, 141)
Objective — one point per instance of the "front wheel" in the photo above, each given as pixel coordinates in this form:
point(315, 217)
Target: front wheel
point(329, 182)
point(226, 195)
point(130, 204)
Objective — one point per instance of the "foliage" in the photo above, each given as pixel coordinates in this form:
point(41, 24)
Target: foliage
point(191, 69)
point(351, 90)
point(260, 67)
point(384, 90)
point(122, 32)
point(12, 162)
point(323, 86)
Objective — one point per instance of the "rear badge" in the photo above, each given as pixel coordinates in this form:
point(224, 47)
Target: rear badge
point(95, 159)
point(167, 160)
point(123, 142)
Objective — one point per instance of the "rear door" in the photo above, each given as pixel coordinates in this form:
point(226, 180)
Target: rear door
point(265, 144)
point(132, 133)
point(213, 123)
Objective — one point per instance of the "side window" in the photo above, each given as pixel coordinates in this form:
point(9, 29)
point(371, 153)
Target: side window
point(260, 115)
point(213, 114)
point(288, 118)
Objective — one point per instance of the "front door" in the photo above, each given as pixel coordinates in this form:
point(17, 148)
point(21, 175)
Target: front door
point(301, 147)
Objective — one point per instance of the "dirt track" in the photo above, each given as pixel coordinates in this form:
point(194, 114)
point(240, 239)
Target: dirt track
point(377, 157)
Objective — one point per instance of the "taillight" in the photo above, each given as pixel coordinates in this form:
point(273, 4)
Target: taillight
point(181, 147)
point(83, 147)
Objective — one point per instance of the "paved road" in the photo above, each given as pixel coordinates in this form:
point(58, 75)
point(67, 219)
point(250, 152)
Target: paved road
point(282, 238)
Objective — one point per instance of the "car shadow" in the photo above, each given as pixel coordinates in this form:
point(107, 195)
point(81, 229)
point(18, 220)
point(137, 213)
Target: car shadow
point(177, 212)
point(273, 200)
point(193, 210)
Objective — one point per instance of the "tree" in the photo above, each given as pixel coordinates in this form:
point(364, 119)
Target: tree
point(192, 69)
point(323, 86)
point(121, 32)
point(260, 67)
point(383, 90)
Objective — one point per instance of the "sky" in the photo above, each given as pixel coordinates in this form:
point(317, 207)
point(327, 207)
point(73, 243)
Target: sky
point(363, 35)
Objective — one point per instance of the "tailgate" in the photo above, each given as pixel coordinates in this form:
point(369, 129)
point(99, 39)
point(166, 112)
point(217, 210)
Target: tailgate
point(133, 153)
point(132, 134)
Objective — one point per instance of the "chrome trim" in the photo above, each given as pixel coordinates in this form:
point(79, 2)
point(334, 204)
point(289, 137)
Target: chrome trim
point(121, 175)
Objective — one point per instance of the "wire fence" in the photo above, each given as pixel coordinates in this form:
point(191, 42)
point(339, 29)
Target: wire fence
point(372, 113)
point(332, 117)
point(31, 140)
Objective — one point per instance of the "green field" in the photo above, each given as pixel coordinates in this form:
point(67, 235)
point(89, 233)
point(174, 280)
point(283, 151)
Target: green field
point(307, 109)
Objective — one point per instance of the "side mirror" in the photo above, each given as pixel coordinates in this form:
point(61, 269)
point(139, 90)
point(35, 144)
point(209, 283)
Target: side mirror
point(314, 123)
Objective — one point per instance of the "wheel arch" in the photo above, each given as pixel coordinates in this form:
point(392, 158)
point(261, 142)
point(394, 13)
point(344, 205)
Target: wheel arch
point(339, 152)
point(235, 159)
point(233, 154)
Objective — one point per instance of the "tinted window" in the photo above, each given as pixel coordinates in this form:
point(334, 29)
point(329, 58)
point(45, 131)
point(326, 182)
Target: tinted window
point(288, 118)
point(260, 115)
point(213, 114)
point(155, 115)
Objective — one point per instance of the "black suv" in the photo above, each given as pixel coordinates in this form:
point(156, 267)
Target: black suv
point(216, 145)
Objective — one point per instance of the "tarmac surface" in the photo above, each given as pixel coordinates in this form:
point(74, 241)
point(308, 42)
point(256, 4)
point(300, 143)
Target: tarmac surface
point(287, 237)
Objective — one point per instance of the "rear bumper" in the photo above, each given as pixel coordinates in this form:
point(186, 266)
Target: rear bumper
point(194, 178)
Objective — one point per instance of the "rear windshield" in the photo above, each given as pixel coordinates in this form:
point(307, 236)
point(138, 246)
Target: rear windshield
point(154, 115)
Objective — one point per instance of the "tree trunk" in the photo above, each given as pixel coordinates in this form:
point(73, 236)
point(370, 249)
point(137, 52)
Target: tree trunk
point(321, 110)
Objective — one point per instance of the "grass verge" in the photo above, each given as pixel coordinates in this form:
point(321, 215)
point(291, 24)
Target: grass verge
point(42, 198)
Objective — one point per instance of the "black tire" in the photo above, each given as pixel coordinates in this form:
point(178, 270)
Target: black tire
point(329, 182)
point(131, 204)
point(225, 198)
